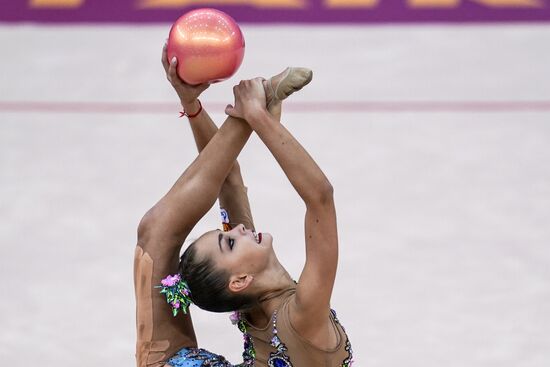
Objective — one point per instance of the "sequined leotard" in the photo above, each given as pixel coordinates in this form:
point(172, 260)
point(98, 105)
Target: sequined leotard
point(275, 345)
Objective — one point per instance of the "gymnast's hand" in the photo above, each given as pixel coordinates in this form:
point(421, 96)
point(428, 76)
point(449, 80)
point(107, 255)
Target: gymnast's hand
point(188, 93)
point(249, 100)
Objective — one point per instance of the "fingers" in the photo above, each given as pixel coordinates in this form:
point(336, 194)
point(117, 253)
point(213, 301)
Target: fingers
point(248, 90)
point(164, 58)
point(202, 87)
point(249, 99)
point(259, 86)
point(233, 112)
point(251, 84)
point(172, 74)
point(229, 110)
point(170, 66)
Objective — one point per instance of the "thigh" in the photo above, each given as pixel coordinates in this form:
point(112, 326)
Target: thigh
point(159, 334)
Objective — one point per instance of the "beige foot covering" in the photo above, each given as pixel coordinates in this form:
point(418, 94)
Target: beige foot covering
point(284, 84)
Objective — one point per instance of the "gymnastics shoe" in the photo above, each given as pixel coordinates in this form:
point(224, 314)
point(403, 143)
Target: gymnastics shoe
point(282, 85)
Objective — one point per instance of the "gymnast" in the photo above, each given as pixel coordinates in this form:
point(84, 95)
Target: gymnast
point(284, 323)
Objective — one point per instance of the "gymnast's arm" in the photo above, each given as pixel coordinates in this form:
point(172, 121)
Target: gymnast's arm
point(233, 194)
point(317, 279)
point(174, 216)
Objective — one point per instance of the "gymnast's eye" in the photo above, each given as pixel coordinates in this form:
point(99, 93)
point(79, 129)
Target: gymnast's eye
point(231, 243)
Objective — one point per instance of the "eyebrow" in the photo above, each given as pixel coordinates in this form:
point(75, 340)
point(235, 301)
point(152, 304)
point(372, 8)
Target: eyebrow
point(220, 236)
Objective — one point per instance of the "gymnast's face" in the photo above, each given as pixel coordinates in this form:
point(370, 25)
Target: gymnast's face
point(240, 251)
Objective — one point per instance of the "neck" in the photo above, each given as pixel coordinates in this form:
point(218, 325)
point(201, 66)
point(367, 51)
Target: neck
point(272, 285)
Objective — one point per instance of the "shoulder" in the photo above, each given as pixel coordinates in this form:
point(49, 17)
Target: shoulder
point(315, 326)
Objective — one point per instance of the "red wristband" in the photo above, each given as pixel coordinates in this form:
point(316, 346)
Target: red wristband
point(184, 113)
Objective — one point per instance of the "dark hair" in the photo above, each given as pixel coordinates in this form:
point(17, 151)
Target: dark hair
point(208, 285)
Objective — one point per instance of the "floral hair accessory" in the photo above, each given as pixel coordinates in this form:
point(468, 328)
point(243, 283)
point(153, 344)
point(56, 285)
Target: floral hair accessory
point(177, 293)
point(235, 317)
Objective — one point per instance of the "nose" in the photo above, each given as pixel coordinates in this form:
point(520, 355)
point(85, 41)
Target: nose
point(241, 228)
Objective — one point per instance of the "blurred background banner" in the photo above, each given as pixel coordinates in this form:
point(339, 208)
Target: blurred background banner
point(278, 11)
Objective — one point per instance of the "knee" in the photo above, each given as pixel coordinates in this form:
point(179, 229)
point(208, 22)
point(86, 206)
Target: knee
point(146, 226)
point(154, 232)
